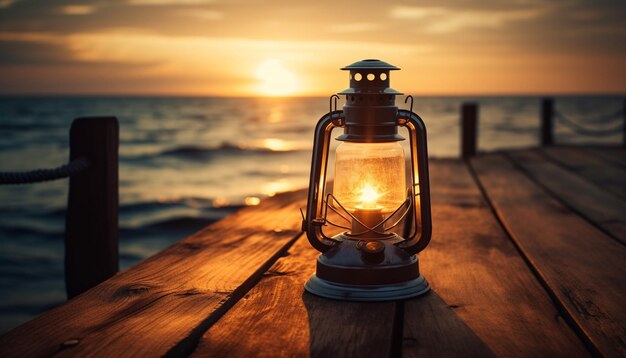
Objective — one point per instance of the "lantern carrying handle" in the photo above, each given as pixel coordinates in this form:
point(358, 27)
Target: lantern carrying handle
point(409, 97)
point(314, 219)
point(332, 108)
point(420, 188)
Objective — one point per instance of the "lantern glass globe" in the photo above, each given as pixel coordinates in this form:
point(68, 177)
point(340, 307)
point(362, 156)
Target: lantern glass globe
point(370, 176)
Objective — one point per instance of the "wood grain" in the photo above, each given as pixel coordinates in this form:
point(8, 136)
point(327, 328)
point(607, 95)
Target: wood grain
point(607, 177)
point(602, 208)
point(485, 297)
point(583, 267)
point(279, 319)
point(615, 156)
point(165, 303)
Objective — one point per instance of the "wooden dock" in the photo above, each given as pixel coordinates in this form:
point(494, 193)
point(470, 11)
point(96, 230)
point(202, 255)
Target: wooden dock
point(527, 259)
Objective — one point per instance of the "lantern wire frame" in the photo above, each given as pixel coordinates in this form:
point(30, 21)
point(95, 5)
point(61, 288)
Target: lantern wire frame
point(405, 208)
point(408, 203)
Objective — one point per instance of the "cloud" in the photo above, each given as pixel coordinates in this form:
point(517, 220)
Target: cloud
point(169, 2)
point(195, 42)
point(353, 27)
point(446, 20)
point(78, 9)
point(415, 12)
point(6, 3)
point(202, 14)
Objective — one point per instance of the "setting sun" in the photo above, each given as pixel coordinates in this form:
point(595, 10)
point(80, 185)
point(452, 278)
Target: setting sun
point(275, 79)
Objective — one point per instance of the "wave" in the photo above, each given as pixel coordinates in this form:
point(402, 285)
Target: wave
point(204, 153)
point(142, 219)
point(17, 126)
point(192, 151)
point(29, 231)
point(182, 223)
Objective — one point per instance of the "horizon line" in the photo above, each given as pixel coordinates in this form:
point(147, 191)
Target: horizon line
point(160, 95)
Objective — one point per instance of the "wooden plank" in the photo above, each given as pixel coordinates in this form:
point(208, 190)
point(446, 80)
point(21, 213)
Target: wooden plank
point(165, 303)
point(433, 329)
point(582, 267)
point(607, 177)
point(484, 293)
point(277, 318)
point(597, 205)
point(457, 318)
point(613, 155)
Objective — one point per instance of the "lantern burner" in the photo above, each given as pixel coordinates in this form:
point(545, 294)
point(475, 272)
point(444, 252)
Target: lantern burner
point(368, 224)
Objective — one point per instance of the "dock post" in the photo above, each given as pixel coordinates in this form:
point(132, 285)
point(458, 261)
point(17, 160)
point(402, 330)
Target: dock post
point(624, 123)
point(547, 126)
point(91, 226)
point(469, 121)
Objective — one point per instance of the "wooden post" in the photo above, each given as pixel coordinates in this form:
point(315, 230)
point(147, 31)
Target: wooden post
point(469, 121)
point(547, 117)
point(91, 245)
point(624, 124)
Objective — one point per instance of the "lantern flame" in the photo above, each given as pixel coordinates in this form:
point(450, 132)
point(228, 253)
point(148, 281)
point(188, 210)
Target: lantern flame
point(369, 197)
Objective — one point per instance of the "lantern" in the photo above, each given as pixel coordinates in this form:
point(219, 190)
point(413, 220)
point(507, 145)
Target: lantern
point(373, 194)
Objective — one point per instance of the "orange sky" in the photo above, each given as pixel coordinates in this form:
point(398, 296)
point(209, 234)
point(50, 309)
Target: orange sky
point(249, 48)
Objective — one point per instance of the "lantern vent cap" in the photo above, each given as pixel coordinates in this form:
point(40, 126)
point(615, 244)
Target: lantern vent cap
point(371, 64)
point(370, 77)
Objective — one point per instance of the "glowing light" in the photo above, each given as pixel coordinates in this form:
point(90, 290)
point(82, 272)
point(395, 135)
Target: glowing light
point(276, 115)
point(277, 145)
point(220, 203)
point(272, 188)
point(369, 197)
point(275, 79)
point(251, 201)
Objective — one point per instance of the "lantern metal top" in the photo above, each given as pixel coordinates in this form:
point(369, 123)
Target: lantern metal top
point(371, 64)
point(370, 77)
point(370, 110)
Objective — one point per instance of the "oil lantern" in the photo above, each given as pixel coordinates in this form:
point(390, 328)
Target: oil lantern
point(379, 200)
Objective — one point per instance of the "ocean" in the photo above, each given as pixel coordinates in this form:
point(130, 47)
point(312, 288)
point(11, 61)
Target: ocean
point(187, 162)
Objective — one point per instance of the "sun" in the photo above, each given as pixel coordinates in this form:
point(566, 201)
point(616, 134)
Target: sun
point(275, 79)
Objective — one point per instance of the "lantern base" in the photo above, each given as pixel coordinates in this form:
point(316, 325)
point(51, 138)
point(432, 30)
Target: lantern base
point(345, 292)
point(367, 270)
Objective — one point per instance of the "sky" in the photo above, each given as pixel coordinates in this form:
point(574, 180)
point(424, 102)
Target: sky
point(293, 48)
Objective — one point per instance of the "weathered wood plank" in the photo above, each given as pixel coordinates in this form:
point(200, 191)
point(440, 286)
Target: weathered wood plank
point(165, 303)
point(607, 177)
point(597, 205)
point(277, 318)
point(613, 155)
point(433, 329)
point(484, 293)
point(583, 267)
point(321, 327)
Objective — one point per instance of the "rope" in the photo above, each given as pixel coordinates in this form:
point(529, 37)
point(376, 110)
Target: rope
point(611, 117)
point(589, 132)
point(40, 175)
